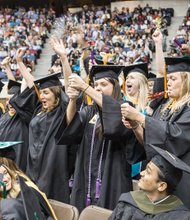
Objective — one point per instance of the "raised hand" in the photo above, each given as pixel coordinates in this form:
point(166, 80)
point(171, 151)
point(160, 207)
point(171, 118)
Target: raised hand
point(19, 54)
point(128, 112)
point(157, 36)
point(72, 93)
point(76, 82)
point(58, 47)
point(6, 62)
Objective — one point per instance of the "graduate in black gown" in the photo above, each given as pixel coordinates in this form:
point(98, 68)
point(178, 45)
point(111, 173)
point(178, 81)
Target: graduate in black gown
point(14, 123)
point(48, 163)
point(155, 200)
point(102, 172)
point(20, 198)
point(169, 125)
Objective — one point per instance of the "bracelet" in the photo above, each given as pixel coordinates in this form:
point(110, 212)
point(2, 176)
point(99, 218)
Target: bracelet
point(86, 88)
point(142, 123)
point(135, 127)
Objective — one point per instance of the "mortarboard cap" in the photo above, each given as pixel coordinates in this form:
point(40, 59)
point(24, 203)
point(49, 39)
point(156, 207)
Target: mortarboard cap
point(171, 166)
point(1, 85)
point(48, 81)
point(140, 68)
point(177, 64)
point(13, 87)
point(105, 71)
point(151, 76)
point(7, 150)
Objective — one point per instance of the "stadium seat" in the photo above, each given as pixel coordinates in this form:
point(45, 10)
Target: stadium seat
point(95, 213)
point(64, 211)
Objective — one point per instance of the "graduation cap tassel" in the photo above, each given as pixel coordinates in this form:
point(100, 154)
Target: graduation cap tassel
point(88, 200)
point(105, 58)
point(4, 190)
point(98, 180)
point(98, 188)
point(165, 83)
point(71, 182)
point(88, 98)
point(37, 92)
point(36, 216)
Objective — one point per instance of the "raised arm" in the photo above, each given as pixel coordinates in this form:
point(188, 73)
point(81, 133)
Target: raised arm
point(71, 108)
point(6, 65)
point(77, 83)
point(160, 63)
point(59, 48)
point(83, 72)
point(25, 73)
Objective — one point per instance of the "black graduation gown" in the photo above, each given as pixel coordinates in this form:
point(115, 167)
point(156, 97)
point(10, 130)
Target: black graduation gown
point(48, 164)
point(114, 129)
point(26, 206)
point(15, 128)
point(12, 209)
point(172, 133)
point(130, 207)
point(115, 170)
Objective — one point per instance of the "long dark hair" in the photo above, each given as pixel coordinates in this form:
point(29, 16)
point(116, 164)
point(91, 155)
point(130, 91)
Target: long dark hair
point(116, 94)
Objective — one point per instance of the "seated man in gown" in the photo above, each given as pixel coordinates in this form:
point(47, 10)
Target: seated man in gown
point(155, 200)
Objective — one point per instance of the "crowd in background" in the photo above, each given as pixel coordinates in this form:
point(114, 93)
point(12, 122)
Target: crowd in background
point(125, 35)
point(23, 28)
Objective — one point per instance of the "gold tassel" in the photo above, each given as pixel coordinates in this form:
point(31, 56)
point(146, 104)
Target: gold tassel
point(105, 59)
point(37, 92)
point(88, 98)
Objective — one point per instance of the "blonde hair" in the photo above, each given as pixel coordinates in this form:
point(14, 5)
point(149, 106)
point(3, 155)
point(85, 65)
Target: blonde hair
point(143, 91)
point(184, 98)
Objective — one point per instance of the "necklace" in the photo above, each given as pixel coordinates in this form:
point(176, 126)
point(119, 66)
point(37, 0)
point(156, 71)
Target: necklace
point(166, 113)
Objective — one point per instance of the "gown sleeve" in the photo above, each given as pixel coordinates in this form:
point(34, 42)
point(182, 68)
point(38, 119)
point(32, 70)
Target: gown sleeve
point(64, 101)
point(170, 134)
point(114, 129)
point(25, 103)
point(73, 133)
point(12, 209)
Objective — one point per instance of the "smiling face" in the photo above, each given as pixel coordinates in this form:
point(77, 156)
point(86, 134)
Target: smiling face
point(47, 98)
point(174, 84)
point(6, 178)
point(103, 86)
